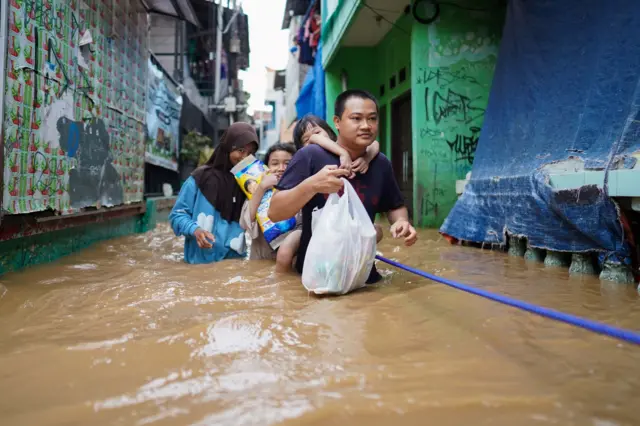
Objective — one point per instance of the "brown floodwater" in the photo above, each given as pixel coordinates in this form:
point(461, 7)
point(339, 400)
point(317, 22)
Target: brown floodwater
point(124, 333)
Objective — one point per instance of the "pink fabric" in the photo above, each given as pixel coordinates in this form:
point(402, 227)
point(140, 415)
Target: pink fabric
point(314, 24)
point(307, 31)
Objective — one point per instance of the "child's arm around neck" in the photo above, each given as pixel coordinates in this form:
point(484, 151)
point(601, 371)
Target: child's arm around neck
point(334, 148)
point(372, 151)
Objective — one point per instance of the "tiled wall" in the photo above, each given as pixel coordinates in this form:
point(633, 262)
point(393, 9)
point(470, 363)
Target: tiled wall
point(74, 104)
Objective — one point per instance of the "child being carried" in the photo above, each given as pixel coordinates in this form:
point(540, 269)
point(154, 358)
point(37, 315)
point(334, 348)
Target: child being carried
point(277, 159)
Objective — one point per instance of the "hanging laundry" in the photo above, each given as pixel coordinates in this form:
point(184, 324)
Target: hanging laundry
point(307, 29)
point(305, 56)
point(315, 24)
point(307, 35)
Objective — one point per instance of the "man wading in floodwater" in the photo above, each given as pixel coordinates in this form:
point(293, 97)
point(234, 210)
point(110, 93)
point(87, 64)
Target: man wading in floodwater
point(313, 174)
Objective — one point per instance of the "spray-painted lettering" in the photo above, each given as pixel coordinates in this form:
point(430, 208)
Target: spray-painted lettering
point(453, 104)
point(464, 147)
point(444, 77)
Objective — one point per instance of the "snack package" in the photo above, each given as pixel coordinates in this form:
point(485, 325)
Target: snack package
point(248, 174)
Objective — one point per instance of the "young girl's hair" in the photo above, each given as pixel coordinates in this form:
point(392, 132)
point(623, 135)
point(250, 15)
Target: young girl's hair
point(311, 120)
point(287, 147)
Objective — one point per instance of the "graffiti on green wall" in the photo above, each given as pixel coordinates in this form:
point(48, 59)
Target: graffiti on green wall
point(448, 45)
point(75, 104)
point(454, 104)
point(452, 77)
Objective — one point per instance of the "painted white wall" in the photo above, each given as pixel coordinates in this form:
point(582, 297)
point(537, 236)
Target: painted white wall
point(279, 110)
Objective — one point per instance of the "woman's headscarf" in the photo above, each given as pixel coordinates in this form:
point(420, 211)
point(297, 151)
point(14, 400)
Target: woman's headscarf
point(215, 180)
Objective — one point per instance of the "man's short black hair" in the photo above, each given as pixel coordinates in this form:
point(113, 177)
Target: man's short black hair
point(286, 147)
point(311, 120)
point(352, 93)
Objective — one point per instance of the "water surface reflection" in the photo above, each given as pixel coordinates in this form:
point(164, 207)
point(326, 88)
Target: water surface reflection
point(125, 333)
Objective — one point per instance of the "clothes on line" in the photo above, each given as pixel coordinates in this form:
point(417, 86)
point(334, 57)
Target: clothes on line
point(308, 36)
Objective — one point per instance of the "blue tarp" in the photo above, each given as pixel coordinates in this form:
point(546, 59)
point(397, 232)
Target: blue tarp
point(566, 85)
point(311, 98)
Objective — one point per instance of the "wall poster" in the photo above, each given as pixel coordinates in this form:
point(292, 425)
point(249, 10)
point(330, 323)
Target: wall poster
point(164, 104)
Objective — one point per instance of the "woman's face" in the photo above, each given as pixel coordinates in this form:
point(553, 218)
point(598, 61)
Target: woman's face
point(312, 130)
point(278, 162)
point(237, 155)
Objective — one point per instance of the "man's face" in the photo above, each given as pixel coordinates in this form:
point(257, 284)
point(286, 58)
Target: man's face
point(359, 122)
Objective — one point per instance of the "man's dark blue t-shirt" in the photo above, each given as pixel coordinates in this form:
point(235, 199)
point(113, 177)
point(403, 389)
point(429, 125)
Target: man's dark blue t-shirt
point(377, 189)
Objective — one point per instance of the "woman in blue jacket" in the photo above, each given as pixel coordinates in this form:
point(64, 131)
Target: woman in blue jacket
point(207, 212)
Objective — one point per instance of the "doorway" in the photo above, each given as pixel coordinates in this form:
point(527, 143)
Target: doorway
point(402, 148)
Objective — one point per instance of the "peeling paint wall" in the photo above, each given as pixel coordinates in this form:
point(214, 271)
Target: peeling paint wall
point(453, 61)
point(75, 102)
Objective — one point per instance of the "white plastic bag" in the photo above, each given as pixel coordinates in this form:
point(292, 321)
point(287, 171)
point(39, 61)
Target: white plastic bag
point(342, 248)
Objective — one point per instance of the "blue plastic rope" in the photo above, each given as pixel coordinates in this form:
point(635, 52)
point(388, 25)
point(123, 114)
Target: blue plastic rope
point(596, 327)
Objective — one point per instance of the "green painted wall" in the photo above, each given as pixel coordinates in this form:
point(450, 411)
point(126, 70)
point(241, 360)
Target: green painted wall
point(43, 248)
point(334, 25)
point(392, 54)
point(100, 90)
point(358, 63)
point(453, 62)
point(28, 251)
point(449, 66)
point(370, 67)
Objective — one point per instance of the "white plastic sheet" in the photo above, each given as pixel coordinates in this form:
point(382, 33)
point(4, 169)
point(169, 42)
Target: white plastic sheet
point(342, 248)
